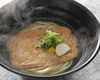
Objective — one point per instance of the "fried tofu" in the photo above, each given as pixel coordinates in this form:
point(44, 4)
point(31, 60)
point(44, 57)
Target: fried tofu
point(24, 54)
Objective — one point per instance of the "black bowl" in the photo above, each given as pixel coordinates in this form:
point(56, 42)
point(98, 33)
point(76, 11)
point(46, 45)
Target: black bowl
point(21, 13)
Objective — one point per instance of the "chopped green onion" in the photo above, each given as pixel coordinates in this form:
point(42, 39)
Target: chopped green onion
point(51, 39)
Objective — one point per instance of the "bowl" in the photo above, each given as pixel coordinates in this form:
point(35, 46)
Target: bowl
point(19, 14)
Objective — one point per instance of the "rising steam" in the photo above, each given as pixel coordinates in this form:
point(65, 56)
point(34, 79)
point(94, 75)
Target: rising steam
point(18, 14)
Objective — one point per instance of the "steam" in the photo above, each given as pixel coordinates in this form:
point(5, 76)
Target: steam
point(87, 44)
point(14, 16)
point(8, 13)
point(18, 14)
point(13, 9)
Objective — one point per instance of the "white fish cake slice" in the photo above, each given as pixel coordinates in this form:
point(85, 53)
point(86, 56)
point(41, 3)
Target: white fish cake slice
point(62, 49)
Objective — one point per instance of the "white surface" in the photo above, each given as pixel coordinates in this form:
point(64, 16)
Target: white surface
point(4, 2)
point(90, 72)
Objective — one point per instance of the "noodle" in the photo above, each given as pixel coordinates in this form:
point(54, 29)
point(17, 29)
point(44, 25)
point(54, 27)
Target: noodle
point(50, 70)
point(44, 70)
point(39, 25)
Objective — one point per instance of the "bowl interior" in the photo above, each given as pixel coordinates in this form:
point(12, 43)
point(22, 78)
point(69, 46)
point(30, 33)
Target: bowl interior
point(20, 14)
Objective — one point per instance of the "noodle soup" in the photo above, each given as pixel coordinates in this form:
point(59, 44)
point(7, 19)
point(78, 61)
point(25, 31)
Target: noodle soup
point(44, 48)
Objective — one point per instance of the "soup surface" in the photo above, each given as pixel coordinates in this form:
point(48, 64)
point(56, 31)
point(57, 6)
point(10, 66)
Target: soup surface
point(24, 54)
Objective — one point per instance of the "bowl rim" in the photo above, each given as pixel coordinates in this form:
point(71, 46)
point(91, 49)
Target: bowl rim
point(74, 70)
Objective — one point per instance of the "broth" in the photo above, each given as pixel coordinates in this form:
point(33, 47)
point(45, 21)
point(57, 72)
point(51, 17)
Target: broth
point(25, 56)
